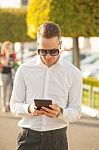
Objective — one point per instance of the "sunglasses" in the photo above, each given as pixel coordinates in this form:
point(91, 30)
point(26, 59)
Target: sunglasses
point(52, 52)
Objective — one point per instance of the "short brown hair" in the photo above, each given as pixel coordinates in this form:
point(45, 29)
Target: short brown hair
point(49, 30)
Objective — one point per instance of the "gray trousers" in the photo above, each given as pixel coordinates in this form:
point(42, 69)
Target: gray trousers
point(7, 88)
point(48, 140)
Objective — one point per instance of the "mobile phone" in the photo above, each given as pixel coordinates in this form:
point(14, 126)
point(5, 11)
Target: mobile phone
point(42, 102)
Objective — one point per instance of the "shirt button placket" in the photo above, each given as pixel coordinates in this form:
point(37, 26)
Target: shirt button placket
point(46, 84)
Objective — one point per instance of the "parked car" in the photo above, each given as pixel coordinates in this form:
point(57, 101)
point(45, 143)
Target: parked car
point(91, 71)
point(90, 65)
point(95, 73)
point(90, 59)
point(68, 55)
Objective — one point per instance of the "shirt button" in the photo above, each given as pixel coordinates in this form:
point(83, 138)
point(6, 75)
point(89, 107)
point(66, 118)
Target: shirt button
point(41, 134)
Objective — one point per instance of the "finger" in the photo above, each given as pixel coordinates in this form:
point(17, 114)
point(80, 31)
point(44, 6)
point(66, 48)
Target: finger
point(54, 107)
point(47, 110)
point(39, 111)
point(31, 108)
point(37, 114)
point(49, 114)
point(35, 107)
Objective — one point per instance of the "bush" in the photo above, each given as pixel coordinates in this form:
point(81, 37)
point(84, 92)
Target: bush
point(13, 25)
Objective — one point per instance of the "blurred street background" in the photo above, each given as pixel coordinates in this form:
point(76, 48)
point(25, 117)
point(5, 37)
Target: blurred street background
point(82, 135)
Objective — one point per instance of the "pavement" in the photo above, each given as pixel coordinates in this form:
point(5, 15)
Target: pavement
point(82, 135)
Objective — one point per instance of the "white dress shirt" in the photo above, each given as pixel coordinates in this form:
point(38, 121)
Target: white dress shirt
point(62, 82)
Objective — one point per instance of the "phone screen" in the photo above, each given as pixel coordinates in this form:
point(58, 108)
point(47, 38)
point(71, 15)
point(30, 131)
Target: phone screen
point(42, 102)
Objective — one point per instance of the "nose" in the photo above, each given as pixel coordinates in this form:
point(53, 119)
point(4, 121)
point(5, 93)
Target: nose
point(48, 55)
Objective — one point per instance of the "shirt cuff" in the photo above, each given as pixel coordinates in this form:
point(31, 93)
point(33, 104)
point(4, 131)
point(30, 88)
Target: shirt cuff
point(63, 116)
point(26, 108)
point(60, 116)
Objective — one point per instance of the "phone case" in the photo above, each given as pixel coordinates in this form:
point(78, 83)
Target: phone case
point(42, 102)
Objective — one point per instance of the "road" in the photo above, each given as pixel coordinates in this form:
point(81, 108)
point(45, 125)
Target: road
point(82, 135)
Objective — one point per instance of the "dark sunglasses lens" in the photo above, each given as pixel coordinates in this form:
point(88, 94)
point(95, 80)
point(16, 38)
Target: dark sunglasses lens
point(54, 52)
point(42, 52)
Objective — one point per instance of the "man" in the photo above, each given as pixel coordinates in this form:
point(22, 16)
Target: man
point(48, 77)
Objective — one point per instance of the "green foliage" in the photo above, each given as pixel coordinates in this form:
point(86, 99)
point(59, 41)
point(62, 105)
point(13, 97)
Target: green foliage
point(38, 12)
point(76, 18)
point(91, 81)
point(13, 25)
point(15, 66)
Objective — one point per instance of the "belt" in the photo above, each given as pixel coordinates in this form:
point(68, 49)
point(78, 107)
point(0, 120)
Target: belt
point(55, 132)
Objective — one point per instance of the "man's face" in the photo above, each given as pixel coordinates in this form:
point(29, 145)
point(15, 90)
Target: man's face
point(49, 44)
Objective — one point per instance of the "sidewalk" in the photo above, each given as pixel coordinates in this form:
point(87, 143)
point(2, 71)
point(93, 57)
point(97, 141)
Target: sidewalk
point(82, 135)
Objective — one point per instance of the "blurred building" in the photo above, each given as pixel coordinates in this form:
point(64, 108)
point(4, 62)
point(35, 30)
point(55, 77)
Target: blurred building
point(24, 3)
point(13, 3)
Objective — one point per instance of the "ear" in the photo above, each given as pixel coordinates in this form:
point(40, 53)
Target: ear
point(60, 44)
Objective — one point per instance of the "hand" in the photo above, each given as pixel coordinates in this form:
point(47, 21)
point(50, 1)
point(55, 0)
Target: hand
point(33, 110)
point(53, 112)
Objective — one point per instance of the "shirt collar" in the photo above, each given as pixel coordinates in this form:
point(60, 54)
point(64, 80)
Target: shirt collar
point(39, 62)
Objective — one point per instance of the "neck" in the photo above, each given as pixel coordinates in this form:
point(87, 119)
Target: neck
point(49, 65)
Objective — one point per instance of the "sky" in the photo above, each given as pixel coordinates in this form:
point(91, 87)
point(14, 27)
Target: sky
point(10, 3)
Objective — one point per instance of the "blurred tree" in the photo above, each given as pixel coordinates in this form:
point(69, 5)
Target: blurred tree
point(13, 25)
point(76, 18)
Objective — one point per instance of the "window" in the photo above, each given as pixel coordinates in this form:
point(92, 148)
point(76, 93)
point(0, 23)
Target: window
point(24, 2)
